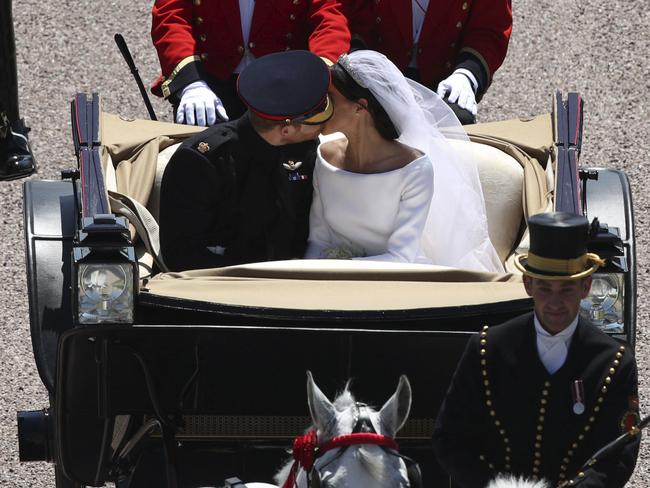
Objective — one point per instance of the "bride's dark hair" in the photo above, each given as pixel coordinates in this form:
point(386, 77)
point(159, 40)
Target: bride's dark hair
point(351, 90)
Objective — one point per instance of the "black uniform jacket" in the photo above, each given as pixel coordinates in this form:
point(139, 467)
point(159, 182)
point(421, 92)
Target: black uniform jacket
point(227, 198)
point(504, 413)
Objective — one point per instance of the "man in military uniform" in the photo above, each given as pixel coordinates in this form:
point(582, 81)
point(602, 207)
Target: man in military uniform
point(538, 395)
point(241, 191)
point(204, 45)
point(16, 159)
point(452, 46)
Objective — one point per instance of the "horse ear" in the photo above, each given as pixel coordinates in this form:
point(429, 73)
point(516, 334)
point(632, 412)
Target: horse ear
point(321, 409)
point(396, 410)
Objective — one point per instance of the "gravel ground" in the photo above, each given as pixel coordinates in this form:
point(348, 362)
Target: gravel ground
point(597, 48)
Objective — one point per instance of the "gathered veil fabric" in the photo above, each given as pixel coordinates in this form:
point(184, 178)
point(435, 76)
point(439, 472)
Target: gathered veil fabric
point(456, 231)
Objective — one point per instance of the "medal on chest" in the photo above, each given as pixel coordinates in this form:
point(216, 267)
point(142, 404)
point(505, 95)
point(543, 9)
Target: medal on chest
point(292, 170)
point(578, 395)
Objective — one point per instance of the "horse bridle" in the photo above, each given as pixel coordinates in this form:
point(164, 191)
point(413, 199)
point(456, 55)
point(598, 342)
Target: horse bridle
point(363, 432)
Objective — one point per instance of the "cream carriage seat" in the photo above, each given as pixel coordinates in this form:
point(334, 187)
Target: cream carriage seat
point(502, 179)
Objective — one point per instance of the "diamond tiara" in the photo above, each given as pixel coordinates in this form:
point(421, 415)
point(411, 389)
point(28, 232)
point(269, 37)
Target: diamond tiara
point(344, 62)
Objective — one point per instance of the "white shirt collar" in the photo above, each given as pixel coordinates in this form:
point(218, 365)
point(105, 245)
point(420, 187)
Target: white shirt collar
point(553, 349)
point(565, 335)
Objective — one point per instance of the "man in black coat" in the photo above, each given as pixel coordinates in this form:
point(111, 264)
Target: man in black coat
point(538, 395)
point(241, 191)
point(16, 159)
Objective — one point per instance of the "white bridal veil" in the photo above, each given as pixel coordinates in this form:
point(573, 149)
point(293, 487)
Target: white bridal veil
point(456, 232)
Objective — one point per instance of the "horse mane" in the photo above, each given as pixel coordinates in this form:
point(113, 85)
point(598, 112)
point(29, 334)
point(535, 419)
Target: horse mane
point(514, 482)
point(365, 455)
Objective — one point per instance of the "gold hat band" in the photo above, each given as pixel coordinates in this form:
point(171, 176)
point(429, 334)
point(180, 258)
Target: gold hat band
point(588, 264)
point(563, 266)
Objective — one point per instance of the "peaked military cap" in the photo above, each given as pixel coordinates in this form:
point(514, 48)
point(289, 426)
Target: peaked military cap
point(288, 86)
point(558, 248)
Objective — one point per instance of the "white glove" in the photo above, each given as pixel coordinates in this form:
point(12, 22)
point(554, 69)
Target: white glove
point(460, 91)
point(197, 98)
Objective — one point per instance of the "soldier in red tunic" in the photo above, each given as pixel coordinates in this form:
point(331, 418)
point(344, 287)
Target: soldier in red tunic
point(453, 46)
point(203, 45)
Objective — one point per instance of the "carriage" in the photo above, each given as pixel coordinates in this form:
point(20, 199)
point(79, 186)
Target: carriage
point(185, 379)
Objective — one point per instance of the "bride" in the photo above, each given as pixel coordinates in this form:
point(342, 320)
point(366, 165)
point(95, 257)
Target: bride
point(389, 184)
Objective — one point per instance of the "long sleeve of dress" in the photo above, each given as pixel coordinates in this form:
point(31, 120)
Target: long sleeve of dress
point(404, 242)
point(319, 230)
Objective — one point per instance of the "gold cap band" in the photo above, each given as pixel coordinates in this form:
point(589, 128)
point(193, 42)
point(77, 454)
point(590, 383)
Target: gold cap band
point(559, 269)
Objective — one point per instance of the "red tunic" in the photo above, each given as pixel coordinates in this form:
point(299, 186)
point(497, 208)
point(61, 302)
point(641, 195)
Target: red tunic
point(210, 31)
point(451, 27)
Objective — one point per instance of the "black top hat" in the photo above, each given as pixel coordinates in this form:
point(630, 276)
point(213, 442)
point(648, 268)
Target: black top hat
point(288, 86)
point(558, 248)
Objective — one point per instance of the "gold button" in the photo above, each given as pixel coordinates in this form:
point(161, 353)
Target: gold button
point(240, 49)
point(482, 352)
point(251, 45)
point(199, 20)
point(538, 445)
point(538, 454)
point(581, 436)
point(596, 408)
point(204, 56)
point(502, 432)
point(547, 384)
point(540, 428)
point(203, 37)
point(562, 476)
point(483, 334)
point(563, 468)
point(492, 413)
point(488, 392)
point(486, 383)
point(537, 462)
point(292, 17)
point(497, 423)
point(617, 362)
point(491, 466)
point(542, 410)
point(565, 460)
point(604, 389)
point(622, 348)
point(465, 5)
point(378, 20)
point(481, 457)
point(581, 474)
point(545, 392)
point(587, 427)
point(506, 441)
point(600, 400)
point(507, 458)
point(488, 403)
point(619, 355)
point(508, 467)
point(543, 401)
point(591, 419)
point(538, 437)
point(483, 341)
point(483, 362)
point(570, 452)
point(535, 469)
point(484, 373)
point(612, 371)
point(541, 418)
point(459, 24)
point(197, 2)
point(574, 445)
point(608, 380)
point(508, 449)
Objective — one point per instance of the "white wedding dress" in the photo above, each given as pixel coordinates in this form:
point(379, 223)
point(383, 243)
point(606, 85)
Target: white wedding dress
point(431, 210)
point(377, 216)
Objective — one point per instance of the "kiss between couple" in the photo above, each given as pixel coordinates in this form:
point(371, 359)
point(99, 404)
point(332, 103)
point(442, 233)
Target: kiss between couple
point(390, 179)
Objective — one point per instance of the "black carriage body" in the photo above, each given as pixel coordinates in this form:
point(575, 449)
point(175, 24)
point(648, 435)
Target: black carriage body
point(230, 380)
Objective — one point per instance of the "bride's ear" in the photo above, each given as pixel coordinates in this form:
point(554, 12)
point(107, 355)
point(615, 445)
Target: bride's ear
point(362, 104)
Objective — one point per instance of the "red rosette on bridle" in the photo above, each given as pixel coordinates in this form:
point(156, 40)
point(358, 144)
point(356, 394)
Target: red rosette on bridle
point(304, 449)
point(304, 453)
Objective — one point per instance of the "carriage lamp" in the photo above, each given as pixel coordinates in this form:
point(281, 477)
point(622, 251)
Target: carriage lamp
point(105, 285)
point(604, 305)
point(105, 293)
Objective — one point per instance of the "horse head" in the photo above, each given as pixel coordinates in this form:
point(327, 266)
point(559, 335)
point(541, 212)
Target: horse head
point(351, 444)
